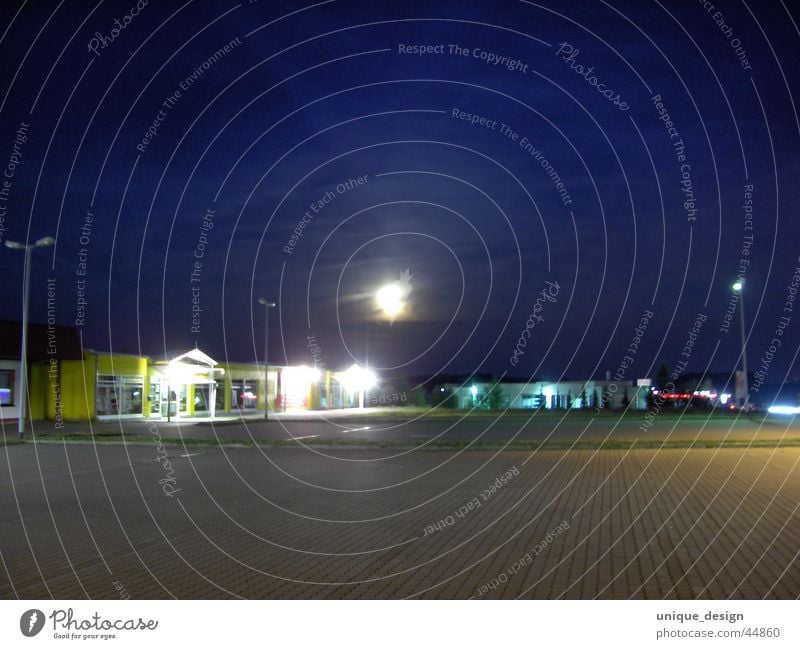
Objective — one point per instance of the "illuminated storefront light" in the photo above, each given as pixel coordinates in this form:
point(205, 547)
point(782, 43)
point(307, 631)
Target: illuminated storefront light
point(357, 380)
point(297, 383)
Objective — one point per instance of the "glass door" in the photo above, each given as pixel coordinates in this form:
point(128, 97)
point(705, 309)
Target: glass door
point(183, 401)
point(168, 399)
point(154, 398)
point(202, 399)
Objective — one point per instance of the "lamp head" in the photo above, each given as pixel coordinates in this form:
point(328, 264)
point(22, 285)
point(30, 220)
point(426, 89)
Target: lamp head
point(264, 301)
point(45, 242)
point(15, 245)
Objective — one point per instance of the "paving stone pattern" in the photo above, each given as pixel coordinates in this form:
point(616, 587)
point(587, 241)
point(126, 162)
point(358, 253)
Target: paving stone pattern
point(295, 523)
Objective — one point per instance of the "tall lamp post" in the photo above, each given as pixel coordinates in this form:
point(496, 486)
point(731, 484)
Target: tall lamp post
point(26, 290)
point(738, 288)
point(267, 306)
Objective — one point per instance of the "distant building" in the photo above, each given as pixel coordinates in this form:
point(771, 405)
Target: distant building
point(554, 394)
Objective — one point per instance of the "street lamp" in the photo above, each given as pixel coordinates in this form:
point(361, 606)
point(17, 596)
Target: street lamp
point(267, 306)
point(45, 242)
point(738, 288)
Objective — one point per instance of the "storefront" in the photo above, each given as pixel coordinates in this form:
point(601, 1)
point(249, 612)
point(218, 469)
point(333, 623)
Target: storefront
point(77, 384)
point(9, 389)
point(185, 386)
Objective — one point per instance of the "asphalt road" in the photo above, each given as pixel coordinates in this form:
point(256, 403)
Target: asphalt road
point(327, 429)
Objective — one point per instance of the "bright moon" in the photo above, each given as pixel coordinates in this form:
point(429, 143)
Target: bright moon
point(390, 299)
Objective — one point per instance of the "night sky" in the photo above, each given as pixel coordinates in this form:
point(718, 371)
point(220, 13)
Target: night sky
point(625, 158)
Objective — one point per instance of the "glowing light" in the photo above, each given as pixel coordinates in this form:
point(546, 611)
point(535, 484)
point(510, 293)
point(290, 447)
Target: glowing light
point(738, 286)
point(357, 379)
point(297, 382)
point(179, 373)
point(312, 374)
point(390, 299)
point(474, 391)
point(548, 391)
point(784, 410)
point(299, 379)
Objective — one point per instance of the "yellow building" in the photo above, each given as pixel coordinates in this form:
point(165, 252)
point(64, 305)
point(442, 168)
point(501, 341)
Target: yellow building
point(68, 382)
point(191, 385)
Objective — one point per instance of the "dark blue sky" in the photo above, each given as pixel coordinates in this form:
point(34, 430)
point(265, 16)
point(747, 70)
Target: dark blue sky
point(308, 96)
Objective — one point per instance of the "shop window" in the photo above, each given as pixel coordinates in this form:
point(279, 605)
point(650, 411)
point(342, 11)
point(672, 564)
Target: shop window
point(201, 398)
point(336, 396)
point(243, 394)
point(119, 395)
point(6, 387)
point(219, 396)
point(155, 397)
point(531, 401)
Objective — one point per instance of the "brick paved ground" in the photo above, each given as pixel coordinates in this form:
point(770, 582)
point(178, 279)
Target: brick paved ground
point(292, 523)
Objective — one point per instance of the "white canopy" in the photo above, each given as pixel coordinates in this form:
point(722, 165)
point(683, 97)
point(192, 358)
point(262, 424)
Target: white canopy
point(194, 367)
point(194, 355)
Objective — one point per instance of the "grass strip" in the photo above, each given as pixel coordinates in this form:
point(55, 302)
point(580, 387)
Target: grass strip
point(532, 445)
